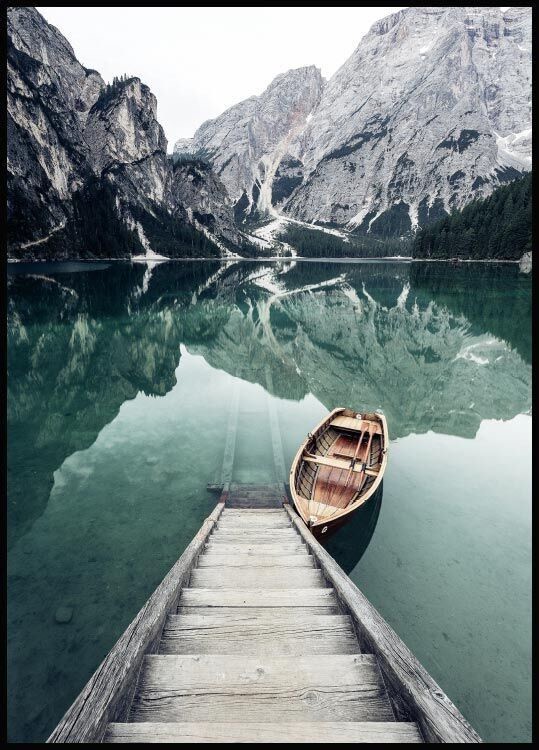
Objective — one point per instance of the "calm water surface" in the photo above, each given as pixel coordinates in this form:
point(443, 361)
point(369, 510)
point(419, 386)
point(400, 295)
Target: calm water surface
point(120, 383)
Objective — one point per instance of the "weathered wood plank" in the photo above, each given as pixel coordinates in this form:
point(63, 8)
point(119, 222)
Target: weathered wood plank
point(248, 491)
point(270, 487)
point(257, 732)
point(255, 533)
point(256, 578)
point(259, 598)
point(330, 634)
point(107, 695)
point(252, 515)
point(262, 525)
point(252, 512)
point(240, 688)
point(413, 691)
point(211, 559)
point(259, 613)
point(259, 541)
point(251, 503)
point(246, 548)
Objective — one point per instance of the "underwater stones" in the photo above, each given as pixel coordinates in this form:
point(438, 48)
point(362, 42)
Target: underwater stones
point(63, 614)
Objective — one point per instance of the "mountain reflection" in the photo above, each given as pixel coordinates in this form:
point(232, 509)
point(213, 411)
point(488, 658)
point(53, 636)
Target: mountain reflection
point(436, 347)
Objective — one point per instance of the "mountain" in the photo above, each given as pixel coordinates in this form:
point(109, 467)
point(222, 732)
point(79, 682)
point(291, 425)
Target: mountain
point(88, 171)
point(249, 141)
point(432, 110)
point(499, 226)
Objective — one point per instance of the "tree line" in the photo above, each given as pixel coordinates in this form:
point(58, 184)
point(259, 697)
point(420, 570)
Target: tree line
point(499, 226)
point(312, 243)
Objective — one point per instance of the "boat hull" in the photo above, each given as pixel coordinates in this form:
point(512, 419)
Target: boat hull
point(338, 468)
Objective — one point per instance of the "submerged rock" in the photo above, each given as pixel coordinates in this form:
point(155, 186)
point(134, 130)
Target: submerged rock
point(64, 614)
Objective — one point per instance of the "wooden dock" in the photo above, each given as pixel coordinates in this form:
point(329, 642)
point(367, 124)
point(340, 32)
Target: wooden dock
point(257, 635)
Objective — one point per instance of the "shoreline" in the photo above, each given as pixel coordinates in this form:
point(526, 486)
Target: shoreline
point(262, 259)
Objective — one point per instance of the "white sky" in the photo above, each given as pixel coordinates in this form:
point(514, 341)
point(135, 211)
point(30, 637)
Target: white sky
point(200, 61)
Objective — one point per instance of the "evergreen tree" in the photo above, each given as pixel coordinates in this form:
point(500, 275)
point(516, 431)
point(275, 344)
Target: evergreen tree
point(495, 227)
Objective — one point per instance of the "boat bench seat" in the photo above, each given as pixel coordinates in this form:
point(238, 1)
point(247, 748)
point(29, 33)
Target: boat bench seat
point(356, 425)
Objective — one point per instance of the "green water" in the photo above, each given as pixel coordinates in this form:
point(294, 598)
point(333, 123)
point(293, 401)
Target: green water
point(121, 379)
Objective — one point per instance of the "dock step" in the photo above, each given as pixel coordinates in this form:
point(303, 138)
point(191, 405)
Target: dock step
point(258, 533)
point(256, 578)
point(303, 635)
point(255, 560)
point(259, 649)
point(256, 732)
point(312, 598)
point(274, 689)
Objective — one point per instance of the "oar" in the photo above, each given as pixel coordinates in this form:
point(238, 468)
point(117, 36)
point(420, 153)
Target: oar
point(340, 487)
point(356, 455)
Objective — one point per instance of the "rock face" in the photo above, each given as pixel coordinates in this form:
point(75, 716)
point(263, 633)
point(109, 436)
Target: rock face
point(247, 143)
point(49, 96)
point(88, 172)
point(431, 110)
point(196, 185)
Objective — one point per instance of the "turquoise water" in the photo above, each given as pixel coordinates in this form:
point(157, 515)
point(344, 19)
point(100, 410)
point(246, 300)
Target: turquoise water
point(121, 379)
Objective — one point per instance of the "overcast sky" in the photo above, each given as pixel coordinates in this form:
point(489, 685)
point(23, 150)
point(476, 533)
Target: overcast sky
point(200, 61)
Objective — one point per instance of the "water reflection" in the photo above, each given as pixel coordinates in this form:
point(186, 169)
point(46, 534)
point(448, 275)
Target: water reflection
point(348, 544)
point(437, 347)
point(119, 385)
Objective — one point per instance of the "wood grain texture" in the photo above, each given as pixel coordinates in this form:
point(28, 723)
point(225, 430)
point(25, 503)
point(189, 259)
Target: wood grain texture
point(255, 549)
point(259, 598)
point(256, 732)
point(253, 513)
point(281, 613)
point(256, 578)
point(413, 691)
point(254, 524)
point(273, 520)
point(241, 688)
point(256, 533)
point(107, 695)
point(213, 559)
point(304, 636)
point(255, 502)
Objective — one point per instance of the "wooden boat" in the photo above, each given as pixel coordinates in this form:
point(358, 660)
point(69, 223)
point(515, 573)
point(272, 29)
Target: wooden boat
point(338, 467)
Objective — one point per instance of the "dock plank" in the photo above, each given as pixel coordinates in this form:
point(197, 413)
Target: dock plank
point(255, 501)
point(256, 578)
point(277, 613)
point(211, 559)
point(266, 521)
point(256, 732)
point(240, 688)
point(260, 598)
point(322, 634)
point(256, 534)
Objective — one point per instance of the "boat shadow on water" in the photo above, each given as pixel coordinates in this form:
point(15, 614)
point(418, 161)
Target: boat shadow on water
point(347, 544)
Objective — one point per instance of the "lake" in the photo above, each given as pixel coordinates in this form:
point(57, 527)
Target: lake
point(121, 381)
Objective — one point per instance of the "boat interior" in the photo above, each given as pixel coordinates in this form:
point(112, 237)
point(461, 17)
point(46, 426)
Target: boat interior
point(339, 465)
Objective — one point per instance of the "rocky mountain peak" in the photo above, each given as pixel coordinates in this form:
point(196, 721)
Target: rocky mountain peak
point(248, 141)
point(122, 125)
point(432, 109)
point(88, 172)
